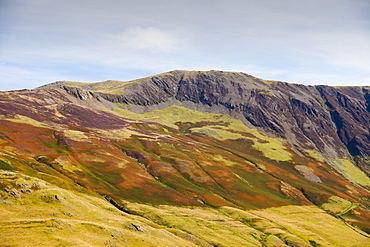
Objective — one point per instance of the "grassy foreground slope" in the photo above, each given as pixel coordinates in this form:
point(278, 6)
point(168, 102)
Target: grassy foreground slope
point(42, 214)
point(47, 215)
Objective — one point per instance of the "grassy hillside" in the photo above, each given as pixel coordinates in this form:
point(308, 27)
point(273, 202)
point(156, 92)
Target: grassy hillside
point(37, 213)
point(71, 175)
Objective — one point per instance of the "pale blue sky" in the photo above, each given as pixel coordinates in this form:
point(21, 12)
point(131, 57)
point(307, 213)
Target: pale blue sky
point(308, 42)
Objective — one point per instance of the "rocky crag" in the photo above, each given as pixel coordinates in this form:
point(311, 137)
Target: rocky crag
point(332, 120)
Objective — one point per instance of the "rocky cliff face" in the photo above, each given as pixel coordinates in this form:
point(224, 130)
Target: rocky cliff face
point(332, 120)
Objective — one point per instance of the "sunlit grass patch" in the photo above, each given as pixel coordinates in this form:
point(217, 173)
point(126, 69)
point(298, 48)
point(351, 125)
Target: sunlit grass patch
point(30, 121)
point(218, 126)
point(205, 224)
point(66, 164)
point(311, 223)
point(336, 205)
point(76, 135)
point(352, 172)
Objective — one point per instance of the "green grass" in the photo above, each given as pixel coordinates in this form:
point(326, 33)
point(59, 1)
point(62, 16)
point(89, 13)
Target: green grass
point(5, 166)
point(337, 205)
point(217, 126)
point(58, 146)
point(75, 219)
point(52, 216)
point(352, 172)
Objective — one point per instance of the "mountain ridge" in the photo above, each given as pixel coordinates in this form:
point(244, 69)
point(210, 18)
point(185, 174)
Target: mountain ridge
point(310, 110)
point(186, 156)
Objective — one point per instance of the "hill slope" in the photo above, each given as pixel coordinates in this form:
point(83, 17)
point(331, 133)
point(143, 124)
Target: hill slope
point(331, 120)
point(191, 148)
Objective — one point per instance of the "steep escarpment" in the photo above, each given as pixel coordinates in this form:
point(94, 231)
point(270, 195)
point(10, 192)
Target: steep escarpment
point(349, 110)
point(331, 120)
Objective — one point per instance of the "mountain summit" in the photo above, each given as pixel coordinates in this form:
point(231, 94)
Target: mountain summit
point(184, 149)
point(331, 120)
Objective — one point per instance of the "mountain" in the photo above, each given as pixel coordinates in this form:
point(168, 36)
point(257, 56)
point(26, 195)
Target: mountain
point(185, 158)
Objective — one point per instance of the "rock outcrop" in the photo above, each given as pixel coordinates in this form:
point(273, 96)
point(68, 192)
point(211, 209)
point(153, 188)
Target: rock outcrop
point(332, 120)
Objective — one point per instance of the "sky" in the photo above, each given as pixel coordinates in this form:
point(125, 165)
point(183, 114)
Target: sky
point(299, 41)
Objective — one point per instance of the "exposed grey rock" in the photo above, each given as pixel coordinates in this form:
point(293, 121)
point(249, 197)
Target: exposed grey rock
point(331, 120)
point(138, 227)
point(26, 191)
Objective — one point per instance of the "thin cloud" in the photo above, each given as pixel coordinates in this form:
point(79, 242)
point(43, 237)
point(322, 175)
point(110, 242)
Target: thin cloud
point(151, 38)
point(296, 41)
point(27, 77)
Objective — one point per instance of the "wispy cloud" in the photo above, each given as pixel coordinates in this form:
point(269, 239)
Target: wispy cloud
point(150, 38)
point(298, 41)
